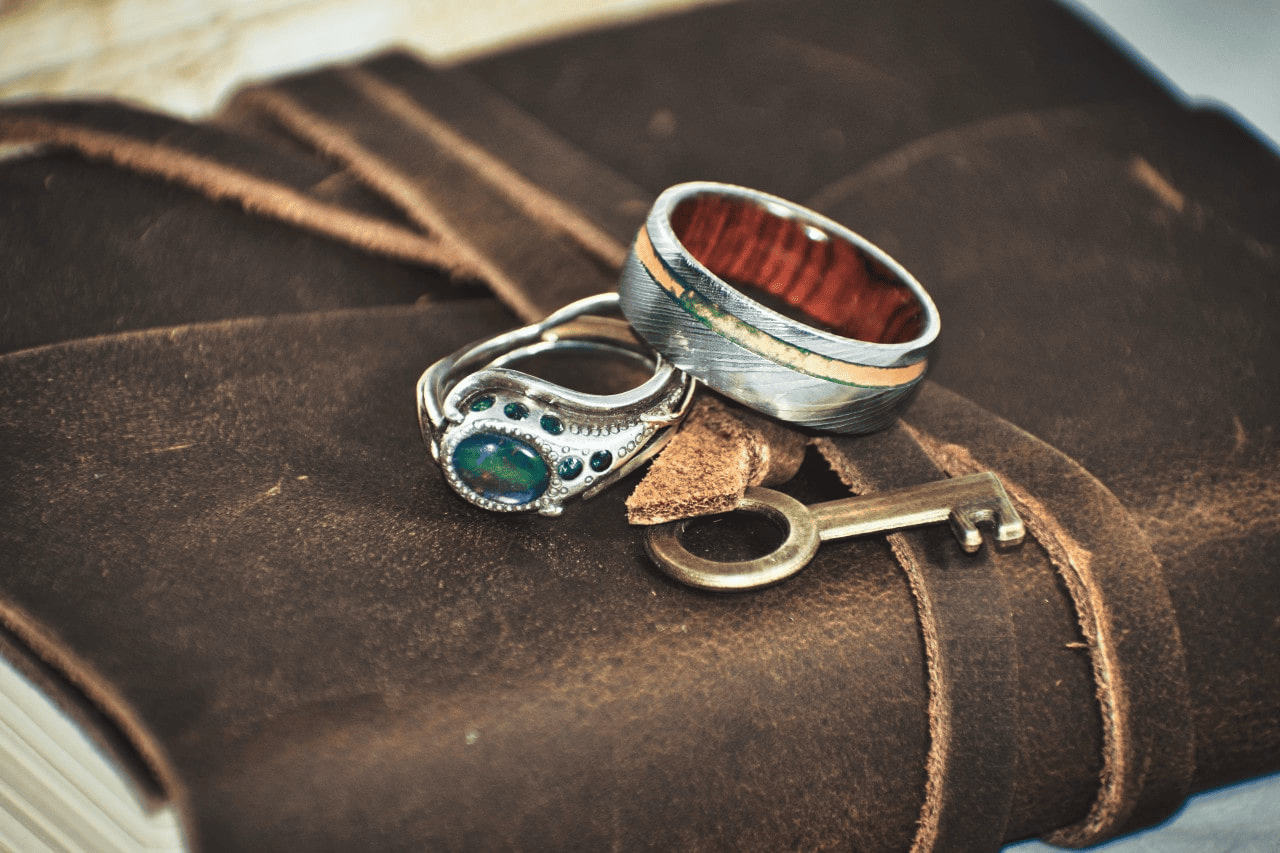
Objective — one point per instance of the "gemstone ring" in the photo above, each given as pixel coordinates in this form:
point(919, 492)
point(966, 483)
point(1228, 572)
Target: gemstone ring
point(508, 441)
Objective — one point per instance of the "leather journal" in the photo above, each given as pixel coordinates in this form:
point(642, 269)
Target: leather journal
point(229, 555)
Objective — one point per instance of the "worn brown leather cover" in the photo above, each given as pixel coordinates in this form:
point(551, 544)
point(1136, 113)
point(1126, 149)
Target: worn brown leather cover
point(221, 525)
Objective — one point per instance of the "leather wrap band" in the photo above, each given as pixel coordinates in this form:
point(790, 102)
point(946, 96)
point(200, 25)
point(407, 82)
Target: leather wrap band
point(1121, 599)
point(970, 652)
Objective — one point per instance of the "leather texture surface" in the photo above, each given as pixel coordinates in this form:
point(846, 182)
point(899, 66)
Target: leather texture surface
point(222, 525)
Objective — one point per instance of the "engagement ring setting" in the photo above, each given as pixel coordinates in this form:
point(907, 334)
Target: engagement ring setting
point(508, 441)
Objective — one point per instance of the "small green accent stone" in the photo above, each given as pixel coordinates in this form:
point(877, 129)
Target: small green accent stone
point(484, 401)
point(569, 468)
point(501, 468)
point(601, 460)
point(516, 411)
point(552, 424)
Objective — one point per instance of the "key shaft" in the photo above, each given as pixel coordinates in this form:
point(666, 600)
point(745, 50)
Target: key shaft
point(964, 501)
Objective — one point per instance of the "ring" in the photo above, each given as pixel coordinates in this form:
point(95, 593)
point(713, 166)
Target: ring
point(510, 442)
point(834, 335)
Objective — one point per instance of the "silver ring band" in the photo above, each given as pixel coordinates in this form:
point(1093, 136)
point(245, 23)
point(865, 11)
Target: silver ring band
point(867, 325)
point(510, 442)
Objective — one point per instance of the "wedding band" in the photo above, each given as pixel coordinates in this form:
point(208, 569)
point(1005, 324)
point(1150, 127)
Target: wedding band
point(834, 335)
point(510, 442)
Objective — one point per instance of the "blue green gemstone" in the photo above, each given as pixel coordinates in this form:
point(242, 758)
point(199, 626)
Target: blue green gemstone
point(601, 460)
point(484, 401)
point(516, 411)
point(501, 468)
point(569, 468)
point(552, 424)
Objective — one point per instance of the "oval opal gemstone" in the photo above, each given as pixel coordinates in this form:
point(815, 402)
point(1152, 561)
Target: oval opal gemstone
point(501, 468)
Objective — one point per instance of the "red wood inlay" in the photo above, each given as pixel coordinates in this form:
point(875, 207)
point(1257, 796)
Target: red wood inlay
point(831, 281)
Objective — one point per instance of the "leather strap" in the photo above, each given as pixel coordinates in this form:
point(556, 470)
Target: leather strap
point(607, 201)
point(535, 250)
point(258, 179)
point(1121, 599)
point(969, 650)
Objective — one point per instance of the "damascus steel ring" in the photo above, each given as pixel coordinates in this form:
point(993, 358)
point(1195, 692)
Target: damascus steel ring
point(509, 442)
point(778, 307)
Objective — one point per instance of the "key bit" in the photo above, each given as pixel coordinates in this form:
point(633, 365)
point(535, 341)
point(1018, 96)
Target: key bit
point(965, 502)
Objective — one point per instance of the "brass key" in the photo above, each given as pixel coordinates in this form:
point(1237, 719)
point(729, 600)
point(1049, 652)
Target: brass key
point(964, 501)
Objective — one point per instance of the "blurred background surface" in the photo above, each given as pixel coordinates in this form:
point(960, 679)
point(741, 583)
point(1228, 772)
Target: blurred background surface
point(185, 55)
